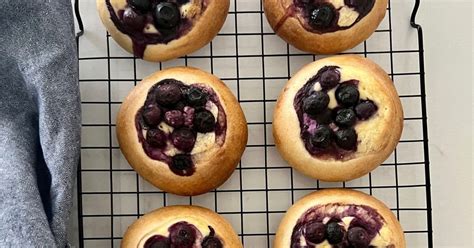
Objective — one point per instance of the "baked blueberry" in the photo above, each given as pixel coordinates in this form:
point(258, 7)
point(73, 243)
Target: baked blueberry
point(188, 113)
point(157, 241)
point(355, 3)
point(182, 165)
point(133, 20)
point(196, 97)
point(315, 103)
point(166, 15)
point(365, 109)
point(174, 118)
point(152, 115)
point(182, 235)
point(346, 138)
point(322, 16)
point(204, 121)
point(168, 94)
point(334, 232)
point(142, 5)
point(358, 237)
point(315, 232)
point(345, 117)
point(156, 138)
point(347, 95)
point(330, 79)
point(325, 117)
point(183, 139)
point(322, 137)
point(180, 105)
point(211, 242)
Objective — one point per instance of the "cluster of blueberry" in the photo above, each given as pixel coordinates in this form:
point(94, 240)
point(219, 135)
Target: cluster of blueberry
point(322, 15)
point(165, 15)
point(183, 235)
point(333, 126)
point(335, 234)
point(363, 227)
point(182, 107)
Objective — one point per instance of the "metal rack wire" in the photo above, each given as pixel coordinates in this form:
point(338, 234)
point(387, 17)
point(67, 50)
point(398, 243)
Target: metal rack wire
point(111, 195)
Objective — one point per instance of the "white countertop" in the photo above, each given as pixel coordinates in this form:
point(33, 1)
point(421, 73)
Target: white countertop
point(448, 43)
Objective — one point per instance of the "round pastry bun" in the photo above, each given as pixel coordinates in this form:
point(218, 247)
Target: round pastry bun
point(337, 196)
point(377, 136)
point(158, 221)
point(213, 166)
point(325, 43)
point(202, 32)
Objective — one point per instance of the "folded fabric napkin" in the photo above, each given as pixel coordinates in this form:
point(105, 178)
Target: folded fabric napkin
point(39, 121)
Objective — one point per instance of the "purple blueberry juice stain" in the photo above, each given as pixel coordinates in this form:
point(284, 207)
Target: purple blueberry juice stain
point(365, 218)
point(342, 139)
point(184, 235)
point(132, 22)
point(320, 16)
point(184, 135)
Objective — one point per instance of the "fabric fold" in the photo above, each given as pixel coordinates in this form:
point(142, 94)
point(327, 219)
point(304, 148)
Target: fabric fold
point(39, 122)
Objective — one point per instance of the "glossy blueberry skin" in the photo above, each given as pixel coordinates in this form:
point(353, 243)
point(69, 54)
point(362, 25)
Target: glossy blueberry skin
point(325, 117)
point(143, 5)
point(358, 237)
point(365, 110)
point(166, 15)
point(174, 118)
point(322, 16)
point(182, 165)
point(335, 233)
point(355, 3)
point(133, 20)
point(322, 137)
point(152, 115)
point(156, 138)
point(347, 95)
point(183, 139)
point(346, 138)
point(315, 232)
point(345, 118)
point(182, 235)
point(315, 103)
point(196, 97)
point(211, 242)
point(168, 94)
point(157, 241)
point(204, 121)
point(330, 79)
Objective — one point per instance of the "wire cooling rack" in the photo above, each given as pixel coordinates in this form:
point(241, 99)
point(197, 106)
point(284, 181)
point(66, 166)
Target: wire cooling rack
point(255, 64)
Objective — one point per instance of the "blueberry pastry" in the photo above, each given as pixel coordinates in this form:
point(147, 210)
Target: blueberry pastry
point(324, 26)
point(338, 118)
point(182, 130)
point(339, 218)
point(181, 227)
point(159, 30)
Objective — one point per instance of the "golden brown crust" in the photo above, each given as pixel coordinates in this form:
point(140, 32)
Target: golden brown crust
point(144, 227)
point(203, 31)
point(342, 196)
point(328, 43)
point(378, 136)
point(213, 166)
